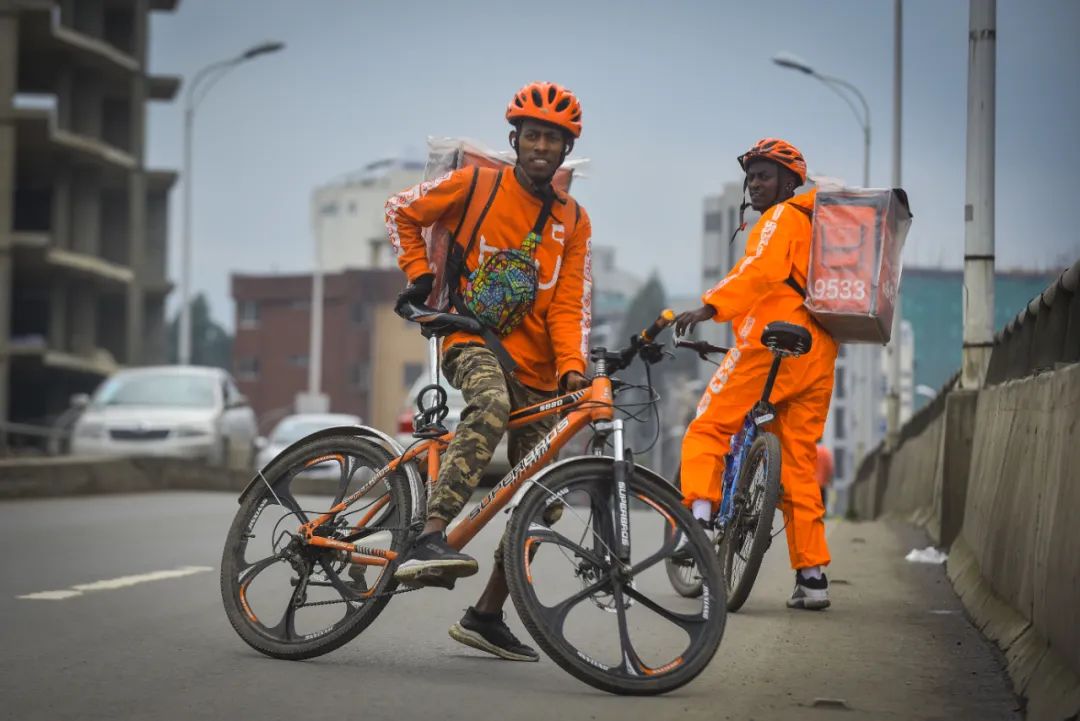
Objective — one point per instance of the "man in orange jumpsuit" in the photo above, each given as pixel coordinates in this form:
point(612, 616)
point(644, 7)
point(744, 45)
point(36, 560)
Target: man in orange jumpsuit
point(766, 286)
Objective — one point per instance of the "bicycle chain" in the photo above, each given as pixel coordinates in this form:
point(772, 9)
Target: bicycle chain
point(412, 527)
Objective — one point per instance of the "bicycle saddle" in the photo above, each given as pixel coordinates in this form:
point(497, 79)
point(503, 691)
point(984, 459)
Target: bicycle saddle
point(435, 321)
point(787, 338)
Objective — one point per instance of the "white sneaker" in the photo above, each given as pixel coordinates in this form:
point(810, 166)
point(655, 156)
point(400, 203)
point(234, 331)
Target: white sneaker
point(811, 594)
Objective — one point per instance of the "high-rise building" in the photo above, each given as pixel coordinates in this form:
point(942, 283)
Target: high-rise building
point(82, 219)
point(347, 215)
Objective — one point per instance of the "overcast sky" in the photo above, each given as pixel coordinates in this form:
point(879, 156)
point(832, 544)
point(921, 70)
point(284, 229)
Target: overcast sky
point(672, 92)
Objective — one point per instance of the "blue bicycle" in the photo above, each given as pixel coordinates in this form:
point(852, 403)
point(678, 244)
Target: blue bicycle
point(751, 484)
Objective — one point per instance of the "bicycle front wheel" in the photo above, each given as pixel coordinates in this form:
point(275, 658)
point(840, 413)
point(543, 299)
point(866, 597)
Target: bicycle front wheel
point(616, 627)
point(749, 532)
point(291, 599)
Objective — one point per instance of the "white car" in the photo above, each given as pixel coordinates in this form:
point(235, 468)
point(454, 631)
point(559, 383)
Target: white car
point(177, 411)
point(292, 428)
point(500, 463)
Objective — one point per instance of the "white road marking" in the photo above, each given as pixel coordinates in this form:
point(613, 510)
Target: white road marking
point(114, 583)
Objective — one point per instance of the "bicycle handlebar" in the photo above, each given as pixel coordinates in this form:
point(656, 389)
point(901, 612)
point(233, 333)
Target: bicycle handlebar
point(700, 347)
point(666, 318)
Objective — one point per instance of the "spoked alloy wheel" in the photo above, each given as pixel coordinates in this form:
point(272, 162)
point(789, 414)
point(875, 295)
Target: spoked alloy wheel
point(290, 599)
point(619, 629)
point(748, 534)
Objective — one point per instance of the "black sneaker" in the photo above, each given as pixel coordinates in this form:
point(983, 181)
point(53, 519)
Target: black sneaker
point(681, 555)
point(431, 562)
point(489, 632)
point(811, 594)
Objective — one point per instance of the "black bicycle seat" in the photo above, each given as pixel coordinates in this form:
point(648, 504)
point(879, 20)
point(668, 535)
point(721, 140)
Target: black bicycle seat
point(786, 338)
point(437, 322)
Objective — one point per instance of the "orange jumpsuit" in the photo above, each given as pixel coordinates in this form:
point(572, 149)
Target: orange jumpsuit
point(751, 296)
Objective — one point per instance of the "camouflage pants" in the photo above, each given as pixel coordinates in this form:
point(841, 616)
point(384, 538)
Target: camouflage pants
point(490, 395)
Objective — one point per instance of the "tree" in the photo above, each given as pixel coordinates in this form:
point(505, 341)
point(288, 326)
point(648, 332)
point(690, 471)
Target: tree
point(211, 345)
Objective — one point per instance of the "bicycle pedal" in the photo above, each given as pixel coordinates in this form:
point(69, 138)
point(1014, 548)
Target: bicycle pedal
point(434, 579)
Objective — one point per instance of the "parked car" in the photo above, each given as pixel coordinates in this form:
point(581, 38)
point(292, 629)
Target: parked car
point(292, 428)
point(500, 463)
point(179, 411)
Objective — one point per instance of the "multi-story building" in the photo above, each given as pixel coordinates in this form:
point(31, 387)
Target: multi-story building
point(370, 356)
point(82, 219)
point(347, 215)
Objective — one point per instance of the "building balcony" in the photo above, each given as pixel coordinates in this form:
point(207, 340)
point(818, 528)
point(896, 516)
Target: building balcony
point(33, 350)
point(36, 256)
point(47, 48)
point(41, 141)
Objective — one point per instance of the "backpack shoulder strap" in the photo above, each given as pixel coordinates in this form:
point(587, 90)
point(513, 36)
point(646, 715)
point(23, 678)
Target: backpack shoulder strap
point(482, 190)
point(790, 281)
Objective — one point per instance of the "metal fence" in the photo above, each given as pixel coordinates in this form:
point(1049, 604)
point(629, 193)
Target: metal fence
point(1043, 335)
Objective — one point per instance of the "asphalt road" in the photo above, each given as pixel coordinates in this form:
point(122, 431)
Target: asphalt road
point(157, 645)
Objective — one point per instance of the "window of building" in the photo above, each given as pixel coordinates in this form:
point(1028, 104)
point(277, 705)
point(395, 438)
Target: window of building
point(714, 222)
point(732, 223)
point(840, 389)
point(247, 369)
point(840, 463)
point(410, 372)
point(299, 360)
point(248, 312)
point(352, 207)
point(360, 375)
point(841, 352)
point(359, 312)
point(376, 245)
point(329, 208)
point(840, 422)
point(300, 304)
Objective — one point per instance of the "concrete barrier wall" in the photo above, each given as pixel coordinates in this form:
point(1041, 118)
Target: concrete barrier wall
point(71, 475)
point(995, 477)
point(1021, 523)
point(918, 463)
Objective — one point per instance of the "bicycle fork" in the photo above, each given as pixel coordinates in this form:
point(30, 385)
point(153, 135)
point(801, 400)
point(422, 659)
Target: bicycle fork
point(620, 491)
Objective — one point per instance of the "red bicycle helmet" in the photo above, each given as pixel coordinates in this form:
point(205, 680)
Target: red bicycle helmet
point(778, 151)
point(549, 103)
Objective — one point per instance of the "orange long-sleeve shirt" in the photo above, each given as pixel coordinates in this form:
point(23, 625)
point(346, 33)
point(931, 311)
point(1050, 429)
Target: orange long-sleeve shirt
point(778, 247)
point(553, 339)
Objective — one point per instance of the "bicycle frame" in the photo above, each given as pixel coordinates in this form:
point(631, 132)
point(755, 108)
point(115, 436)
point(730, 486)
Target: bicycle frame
point(593, 405)
point(762, 413)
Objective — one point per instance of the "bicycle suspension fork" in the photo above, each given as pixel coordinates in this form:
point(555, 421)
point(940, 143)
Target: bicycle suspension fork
point(620, 487)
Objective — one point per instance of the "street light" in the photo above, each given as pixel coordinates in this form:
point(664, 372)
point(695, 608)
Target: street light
point(213, 72)
point(792, 62)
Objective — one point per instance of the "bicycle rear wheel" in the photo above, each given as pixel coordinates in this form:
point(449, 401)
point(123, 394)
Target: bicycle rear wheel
point(289, 599)
point(616, 628)
point(748, 534)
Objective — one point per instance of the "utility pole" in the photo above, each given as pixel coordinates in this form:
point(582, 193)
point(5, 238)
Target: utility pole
point(892, 403)
point(979, 195)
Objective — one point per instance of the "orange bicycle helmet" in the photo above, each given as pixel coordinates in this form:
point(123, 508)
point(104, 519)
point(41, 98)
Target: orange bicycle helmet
point(549, 103)
point(778, 151)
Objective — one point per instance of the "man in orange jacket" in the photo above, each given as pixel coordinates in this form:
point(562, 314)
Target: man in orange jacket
point(765, 286)
point(549, 345)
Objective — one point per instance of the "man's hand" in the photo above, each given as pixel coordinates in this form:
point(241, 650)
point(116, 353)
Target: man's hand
point(574, 381)
point(416, 292)
point(685, 322)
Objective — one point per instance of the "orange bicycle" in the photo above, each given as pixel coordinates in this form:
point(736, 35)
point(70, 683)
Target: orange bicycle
point(302, 575)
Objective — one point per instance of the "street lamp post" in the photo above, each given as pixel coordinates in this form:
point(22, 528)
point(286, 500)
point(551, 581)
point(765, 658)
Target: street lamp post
point(213, 73)
point(787, 60)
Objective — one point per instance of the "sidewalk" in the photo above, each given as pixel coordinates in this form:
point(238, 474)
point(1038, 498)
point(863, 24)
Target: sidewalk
point(894, 645)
